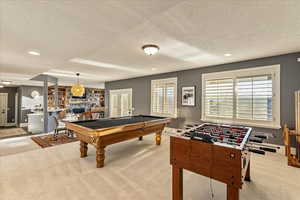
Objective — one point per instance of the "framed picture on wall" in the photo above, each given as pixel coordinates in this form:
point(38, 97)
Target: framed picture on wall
point(188, 96)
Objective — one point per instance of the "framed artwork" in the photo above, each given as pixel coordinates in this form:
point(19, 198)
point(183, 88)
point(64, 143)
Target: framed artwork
point(188, 96)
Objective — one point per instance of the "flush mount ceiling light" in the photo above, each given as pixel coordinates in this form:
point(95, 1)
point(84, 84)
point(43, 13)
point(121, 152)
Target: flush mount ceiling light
point(35, 53)
point(227, 54)
point(150, 49)
point(77, 89)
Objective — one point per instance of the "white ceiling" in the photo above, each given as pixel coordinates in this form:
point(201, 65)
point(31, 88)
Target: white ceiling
point(191, 33)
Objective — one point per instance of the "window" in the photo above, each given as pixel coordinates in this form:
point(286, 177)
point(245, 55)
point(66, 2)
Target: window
point(219, 98)
point(254, 98)
point(164, 97)
point(247, 97)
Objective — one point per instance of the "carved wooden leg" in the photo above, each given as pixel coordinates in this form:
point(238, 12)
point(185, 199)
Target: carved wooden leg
point(233, 192)
point(158, 138)
point(141, 138)
point(177, 185)
point(100, 156)
point(298, 148)
point(83, 149)
point(286, 150)
point(247, 176)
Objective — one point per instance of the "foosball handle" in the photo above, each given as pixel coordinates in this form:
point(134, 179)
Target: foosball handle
point(256, 140)
point(261, 136)
point(268, 149)
point(257, 151)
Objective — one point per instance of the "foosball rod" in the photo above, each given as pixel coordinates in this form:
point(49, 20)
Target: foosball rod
point(258, 151)
point(264, 134)
point(255, 140)
point(261, 136)
point(263, 148)
point(264, 145)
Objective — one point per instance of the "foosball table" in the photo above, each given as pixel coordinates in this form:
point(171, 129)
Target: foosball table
point(216, 151)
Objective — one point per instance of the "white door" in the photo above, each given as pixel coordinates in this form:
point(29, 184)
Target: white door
point(3, 109)
point(120, 102)
point(114, 103)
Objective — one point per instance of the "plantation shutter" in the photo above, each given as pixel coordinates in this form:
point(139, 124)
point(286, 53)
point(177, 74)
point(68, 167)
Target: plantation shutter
point(164, 97)
point(125, 104)
point(115, 102)
point(120, 102)
point(219, 98)
point(254, 97)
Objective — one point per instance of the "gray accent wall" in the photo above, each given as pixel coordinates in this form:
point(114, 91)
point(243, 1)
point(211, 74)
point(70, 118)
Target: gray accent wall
point(289, 78)
point(11, 102)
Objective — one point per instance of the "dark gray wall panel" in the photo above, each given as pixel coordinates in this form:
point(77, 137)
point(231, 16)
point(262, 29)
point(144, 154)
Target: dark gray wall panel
point(11, 91)
point(289, 77)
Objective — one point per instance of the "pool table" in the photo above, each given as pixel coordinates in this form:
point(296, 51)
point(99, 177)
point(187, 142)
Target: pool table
point(103, 132)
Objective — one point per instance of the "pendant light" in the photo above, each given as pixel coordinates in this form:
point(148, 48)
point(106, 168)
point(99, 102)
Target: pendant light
point(77, 89)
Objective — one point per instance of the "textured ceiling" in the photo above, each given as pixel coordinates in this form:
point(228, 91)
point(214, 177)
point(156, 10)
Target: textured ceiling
point(191, 33)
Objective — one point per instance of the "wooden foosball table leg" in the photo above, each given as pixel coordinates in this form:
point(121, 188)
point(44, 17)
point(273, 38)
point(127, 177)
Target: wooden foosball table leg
point(83, 149)
point(233, 193)
point(100, 157)
point(247, 176)
point(177, 183)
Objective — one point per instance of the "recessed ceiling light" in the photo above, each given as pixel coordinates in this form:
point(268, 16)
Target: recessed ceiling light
point(5, 82)
point(153, 69)
point(35, 53)
point(1, 86)
point(150, 49)
point(227, 54)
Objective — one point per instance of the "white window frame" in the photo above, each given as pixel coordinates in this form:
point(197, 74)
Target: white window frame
point(166, 80)
point(257, 71)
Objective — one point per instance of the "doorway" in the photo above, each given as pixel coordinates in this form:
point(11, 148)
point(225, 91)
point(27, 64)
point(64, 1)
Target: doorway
point(3, 109)
point(120, 102)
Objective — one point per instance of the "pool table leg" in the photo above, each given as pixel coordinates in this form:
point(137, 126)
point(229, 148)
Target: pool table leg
point(141, 138)
point(158, 138)
point(100, 156)
point(83, 149)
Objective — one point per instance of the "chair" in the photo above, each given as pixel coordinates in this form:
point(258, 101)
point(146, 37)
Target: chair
point(95, 115)
point(286, 140)
point(293, 160)
point(59, 126)
point(87, 115)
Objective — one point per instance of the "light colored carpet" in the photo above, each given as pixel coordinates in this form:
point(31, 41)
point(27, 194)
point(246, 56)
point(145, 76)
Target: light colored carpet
point(9, 132)
point(134, 170)
point(17, 145)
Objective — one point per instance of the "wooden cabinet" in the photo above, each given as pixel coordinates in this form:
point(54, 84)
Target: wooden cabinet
point(63, 96)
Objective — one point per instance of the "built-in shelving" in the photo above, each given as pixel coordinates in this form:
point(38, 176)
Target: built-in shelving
point(94, 99)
